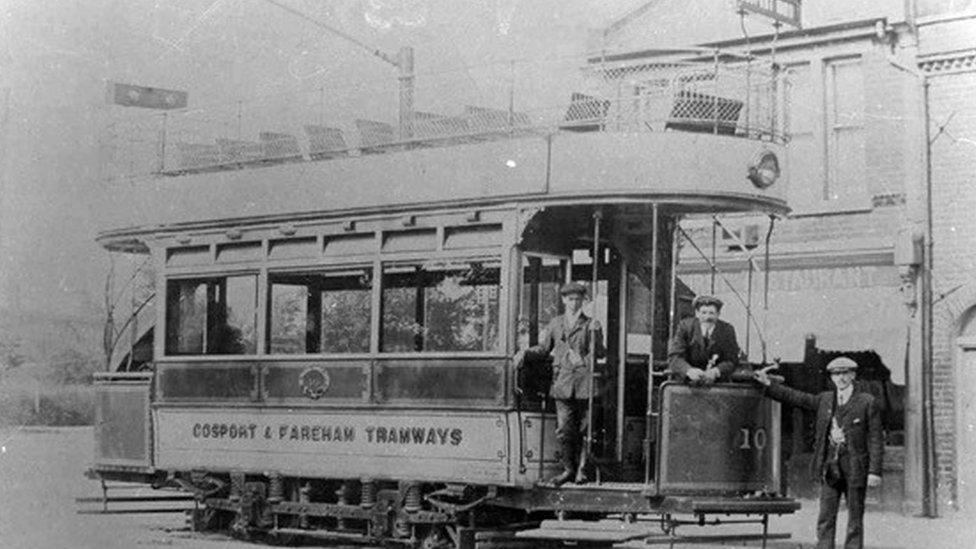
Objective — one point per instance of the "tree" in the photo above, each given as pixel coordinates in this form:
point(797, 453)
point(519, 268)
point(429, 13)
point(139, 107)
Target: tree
point(71, 366)
point(11, 356)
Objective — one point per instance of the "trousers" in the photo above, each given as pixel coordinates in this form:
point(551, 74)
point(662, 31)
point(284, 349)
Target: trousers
point(830, 493)
point(570, 426)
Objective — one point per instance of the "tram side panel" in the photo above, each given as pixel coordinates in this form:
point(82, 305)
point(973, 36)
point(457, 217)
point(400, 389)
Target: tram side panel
point(464, 447)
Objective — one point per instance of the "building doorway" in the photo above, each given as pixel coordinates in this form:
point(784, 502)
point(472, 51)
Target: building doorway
point(966, 415)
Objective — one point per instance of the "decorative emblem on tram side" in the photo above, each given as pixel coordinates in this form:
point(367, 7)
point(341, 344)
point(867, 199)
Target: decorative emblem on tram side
point(764, 169)
point(314, 382)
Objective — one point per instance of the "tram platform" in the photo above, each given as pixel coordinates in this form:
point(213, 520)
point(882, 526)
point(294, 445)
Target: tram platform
point(883, 530)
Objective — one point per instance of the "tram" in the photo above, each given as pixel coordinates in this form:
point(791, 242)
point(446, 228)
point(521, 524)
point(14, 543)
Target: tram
point(331, 358)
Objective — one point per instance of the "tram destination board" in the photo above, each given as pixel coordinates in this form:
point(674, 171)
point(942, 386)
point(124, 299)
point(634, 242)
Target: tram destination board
point(718, 439)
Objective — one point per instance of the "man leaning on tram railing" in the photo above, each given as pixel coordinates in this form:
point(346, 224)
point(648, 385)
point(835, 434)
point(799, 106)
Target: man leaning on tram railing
point(703, 349)
point(568, 339)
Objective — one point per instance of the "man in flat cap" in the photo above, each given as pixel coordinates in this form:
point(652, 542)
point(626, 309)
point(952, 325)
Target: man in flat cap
point(567, 339)
point(703, 348)
point(848, 448)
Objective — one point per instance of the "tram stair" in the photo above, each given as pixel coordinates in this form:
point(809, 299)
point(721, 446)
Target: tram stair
point(132, 343)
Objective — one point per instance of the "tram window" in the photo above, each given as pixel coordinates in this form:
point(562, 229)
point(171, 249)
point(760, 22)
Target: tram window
point(213, 316)
point(441, 307)
point(541, 279)
point(320, 312)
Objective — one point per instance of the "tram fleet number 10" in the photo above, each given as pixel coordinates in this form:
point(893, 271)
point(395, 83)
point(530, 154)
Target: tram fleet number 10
point(753, 438)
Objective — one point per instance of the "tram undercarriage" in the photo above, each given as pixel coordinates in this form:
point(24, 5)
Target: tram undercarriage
point(284, 510)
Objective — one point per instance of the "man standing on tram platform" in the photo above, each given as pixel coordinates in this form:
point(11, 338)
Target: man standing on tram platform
point(703, 349)
point(568, 339)
point(848, 447)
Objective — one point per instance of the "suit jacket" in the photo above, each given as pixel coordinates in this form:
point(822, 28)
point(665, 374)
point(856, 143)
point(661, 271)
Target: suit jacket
point(569, 348)
point(687, 348)
point(861, 425)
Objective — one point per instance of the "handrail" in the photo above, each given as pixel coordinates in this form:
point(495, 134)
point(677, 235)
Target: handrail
point(750, 318)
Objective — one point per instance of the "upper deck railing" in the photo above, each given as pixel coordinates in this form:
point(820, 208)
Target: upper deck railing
point(495, 101)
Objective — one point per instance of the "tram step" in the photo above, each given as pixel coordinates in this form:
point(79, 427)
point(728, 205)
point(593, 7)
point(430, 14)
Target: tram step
point(148, 511)
point(724, 539)
point(124, 505)
point(97, 499)
point(587, 531)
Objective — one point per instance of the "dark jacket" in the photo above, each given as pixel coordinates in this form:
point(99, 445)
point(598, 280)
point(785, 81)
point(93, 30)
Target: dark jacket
point(569, 349)
point(687, 348)
point(861, 425)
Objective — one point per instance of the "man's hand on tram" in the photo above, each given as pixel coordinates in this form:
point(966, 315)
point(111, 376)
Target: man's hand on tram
point(874, 480)
point(711, 375)
point(518, 357)
point(695, 376)
point(762, 376)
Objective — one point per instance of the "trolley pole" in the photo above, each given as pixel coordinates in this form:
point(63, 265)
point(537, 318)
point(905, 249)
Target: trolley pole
point(404, 64)
point(403, 61)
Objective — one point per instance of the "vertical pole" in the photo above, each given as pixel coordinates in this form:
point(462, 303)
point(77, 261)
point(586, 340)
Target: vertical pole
point(597, 217)
point(162, 143)
point(774, 102)
point(749, 325)
point(672, 306)
point(511, 97)
point(649, 413)
point(623, 289)
point(714, 254)
point(133, 326)
point(748, 105)
point(406, 88)
point(769, 234)
point(715, 97)
point(108, 332)
point(929, 465)
point(322, 105)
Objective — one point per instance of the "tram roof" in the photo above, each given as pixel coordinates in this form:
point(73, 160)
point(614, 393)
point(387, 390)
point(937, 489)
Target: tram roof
point(687, 172)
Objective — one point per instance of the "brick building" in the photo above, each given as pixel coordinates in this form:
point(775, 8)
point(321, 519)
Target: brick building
point(849, 265)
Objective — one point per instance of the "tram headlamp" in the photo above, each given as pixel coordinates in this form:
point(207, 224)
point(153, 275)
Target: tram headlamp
point(764, 169)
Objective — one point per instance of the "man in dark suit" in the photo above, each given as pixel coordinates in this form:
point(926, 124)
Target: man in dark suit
point(703, 349)
point(848, 448)
point(567, 339)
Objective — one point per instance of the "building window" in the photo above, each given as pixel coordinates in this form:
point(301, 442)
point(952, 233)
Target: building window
point(211, 316)
point(844, 84)
point(826, 152)
point(441, 307)
point(928, 8)
point(321, 312)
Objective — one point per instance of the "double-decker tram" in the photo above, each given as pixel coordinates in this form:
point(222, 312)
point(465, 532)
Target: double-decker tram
point(333, 359)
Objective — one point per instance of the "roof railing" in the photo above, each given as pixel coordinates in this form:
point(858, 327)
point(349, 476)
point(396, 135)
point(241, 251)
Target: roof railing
point(722, 96)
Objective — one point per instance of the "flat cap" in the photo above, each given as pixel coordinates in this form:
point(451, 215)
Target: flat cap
point(841, 364)
point(573, 288)
point(702, 300)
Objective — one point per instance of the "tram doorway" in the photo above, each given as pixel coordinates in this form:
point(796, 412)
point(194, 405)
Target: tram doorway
point(558, 247)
